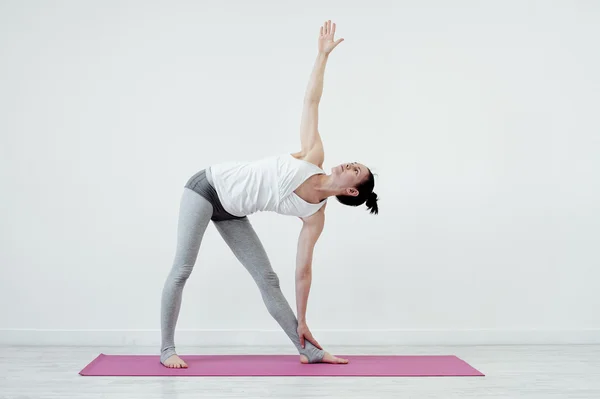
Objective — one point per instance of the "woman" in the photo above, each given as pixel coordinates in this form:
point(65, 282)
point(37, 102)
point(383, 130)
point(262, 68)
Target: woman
point(289, 184)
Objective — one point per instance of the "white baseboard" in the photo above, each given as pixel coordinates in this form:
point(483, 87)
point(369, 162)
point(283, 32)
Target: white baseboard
point(35, 337)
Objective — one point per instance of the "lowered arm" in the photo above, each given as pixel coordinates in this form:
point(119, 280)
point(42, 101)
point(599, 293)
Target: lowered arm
point(311, 230)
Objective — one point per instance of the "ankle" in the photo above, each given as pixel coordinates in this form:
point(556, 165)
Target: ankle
point(167, 354)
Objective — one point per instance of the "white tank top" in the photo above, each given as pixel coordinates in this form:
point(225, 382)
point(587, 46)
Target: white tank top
point(266, 184)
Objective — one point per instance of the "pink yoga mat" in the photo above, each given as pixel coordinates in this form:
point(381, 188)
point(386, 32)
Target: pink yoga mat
point(280, 365)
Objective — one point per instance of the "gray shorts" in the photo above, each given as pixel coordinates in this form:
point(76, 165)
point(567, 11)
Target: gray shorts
point(202, 184)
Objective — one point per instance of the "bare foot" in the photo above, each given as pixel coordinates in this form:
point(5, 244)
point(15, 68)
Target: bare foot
point(328, 358)
point(175, 362)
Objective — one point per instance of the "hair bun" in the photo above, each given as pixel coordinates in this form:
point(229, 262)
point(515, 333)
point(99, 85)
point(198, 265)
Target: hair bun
point(372, 203)
point(372, 199)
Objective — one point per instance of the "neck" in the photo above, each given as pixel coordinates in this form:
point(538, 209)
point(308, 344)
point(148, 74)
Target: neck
point(324, 187)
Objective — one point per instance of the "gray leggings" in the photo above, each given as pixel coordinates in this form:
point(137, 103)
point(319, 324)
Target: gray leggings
point(194, 215)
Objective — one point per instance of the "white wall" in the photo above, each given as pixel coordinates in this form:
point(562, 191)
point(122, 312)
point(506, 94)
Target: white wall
point(479, 119)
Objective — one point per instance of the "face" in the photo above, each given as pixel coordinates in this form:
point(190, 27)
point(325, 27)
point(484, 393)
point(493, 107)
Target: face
point(349, 176)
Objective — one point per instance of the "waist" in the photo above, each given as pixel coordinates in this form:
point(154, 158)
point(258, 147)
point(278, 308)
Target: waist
point(209, 176)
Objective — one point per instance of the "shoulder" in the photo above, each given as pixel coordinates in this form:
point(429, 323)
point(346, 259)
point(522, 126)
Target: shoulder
point(317, 218)
point(315, 156)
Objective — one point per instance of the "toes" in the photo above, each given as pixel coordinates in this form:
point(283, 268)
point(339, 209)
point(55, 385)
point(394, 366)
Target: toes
point(176, 365)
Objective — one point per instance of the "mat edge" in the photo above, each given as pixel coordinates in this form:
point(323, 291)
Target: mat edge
point(91, 365)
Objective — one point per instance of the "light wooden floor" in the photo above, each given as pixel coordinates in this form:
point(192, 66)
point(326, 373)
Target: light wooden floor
point(570, 371)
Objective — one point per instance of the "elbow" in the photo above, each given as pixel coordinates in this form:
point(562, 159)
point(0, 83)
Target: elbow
point(304, 273)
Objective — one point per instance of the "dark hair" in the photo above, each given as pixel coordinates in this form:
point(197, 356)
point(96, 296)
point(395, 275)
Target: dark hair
point(365, 195)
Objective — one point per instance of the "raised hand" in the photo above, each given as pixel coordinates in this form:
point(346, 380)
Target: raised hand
point(326, 38)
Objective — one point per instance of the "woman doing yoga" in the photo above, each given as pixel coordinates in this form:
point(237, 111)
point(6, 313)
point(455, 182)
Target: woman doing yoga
point(289, 184)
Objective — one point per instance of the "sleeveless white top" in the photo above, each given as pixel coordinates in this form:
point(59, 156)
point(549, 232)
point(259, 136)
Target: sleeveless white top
point(266, 184)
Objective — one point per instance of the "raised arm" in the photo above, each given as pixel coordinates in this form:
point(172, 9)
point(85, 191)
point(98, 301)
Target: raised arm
point(309, 131)
point(314, 89)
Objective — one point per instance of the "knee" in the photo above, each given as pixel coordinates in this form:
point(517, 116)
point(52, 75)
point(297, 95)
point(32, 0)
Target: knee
point(271, 279)
point(181, 273)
